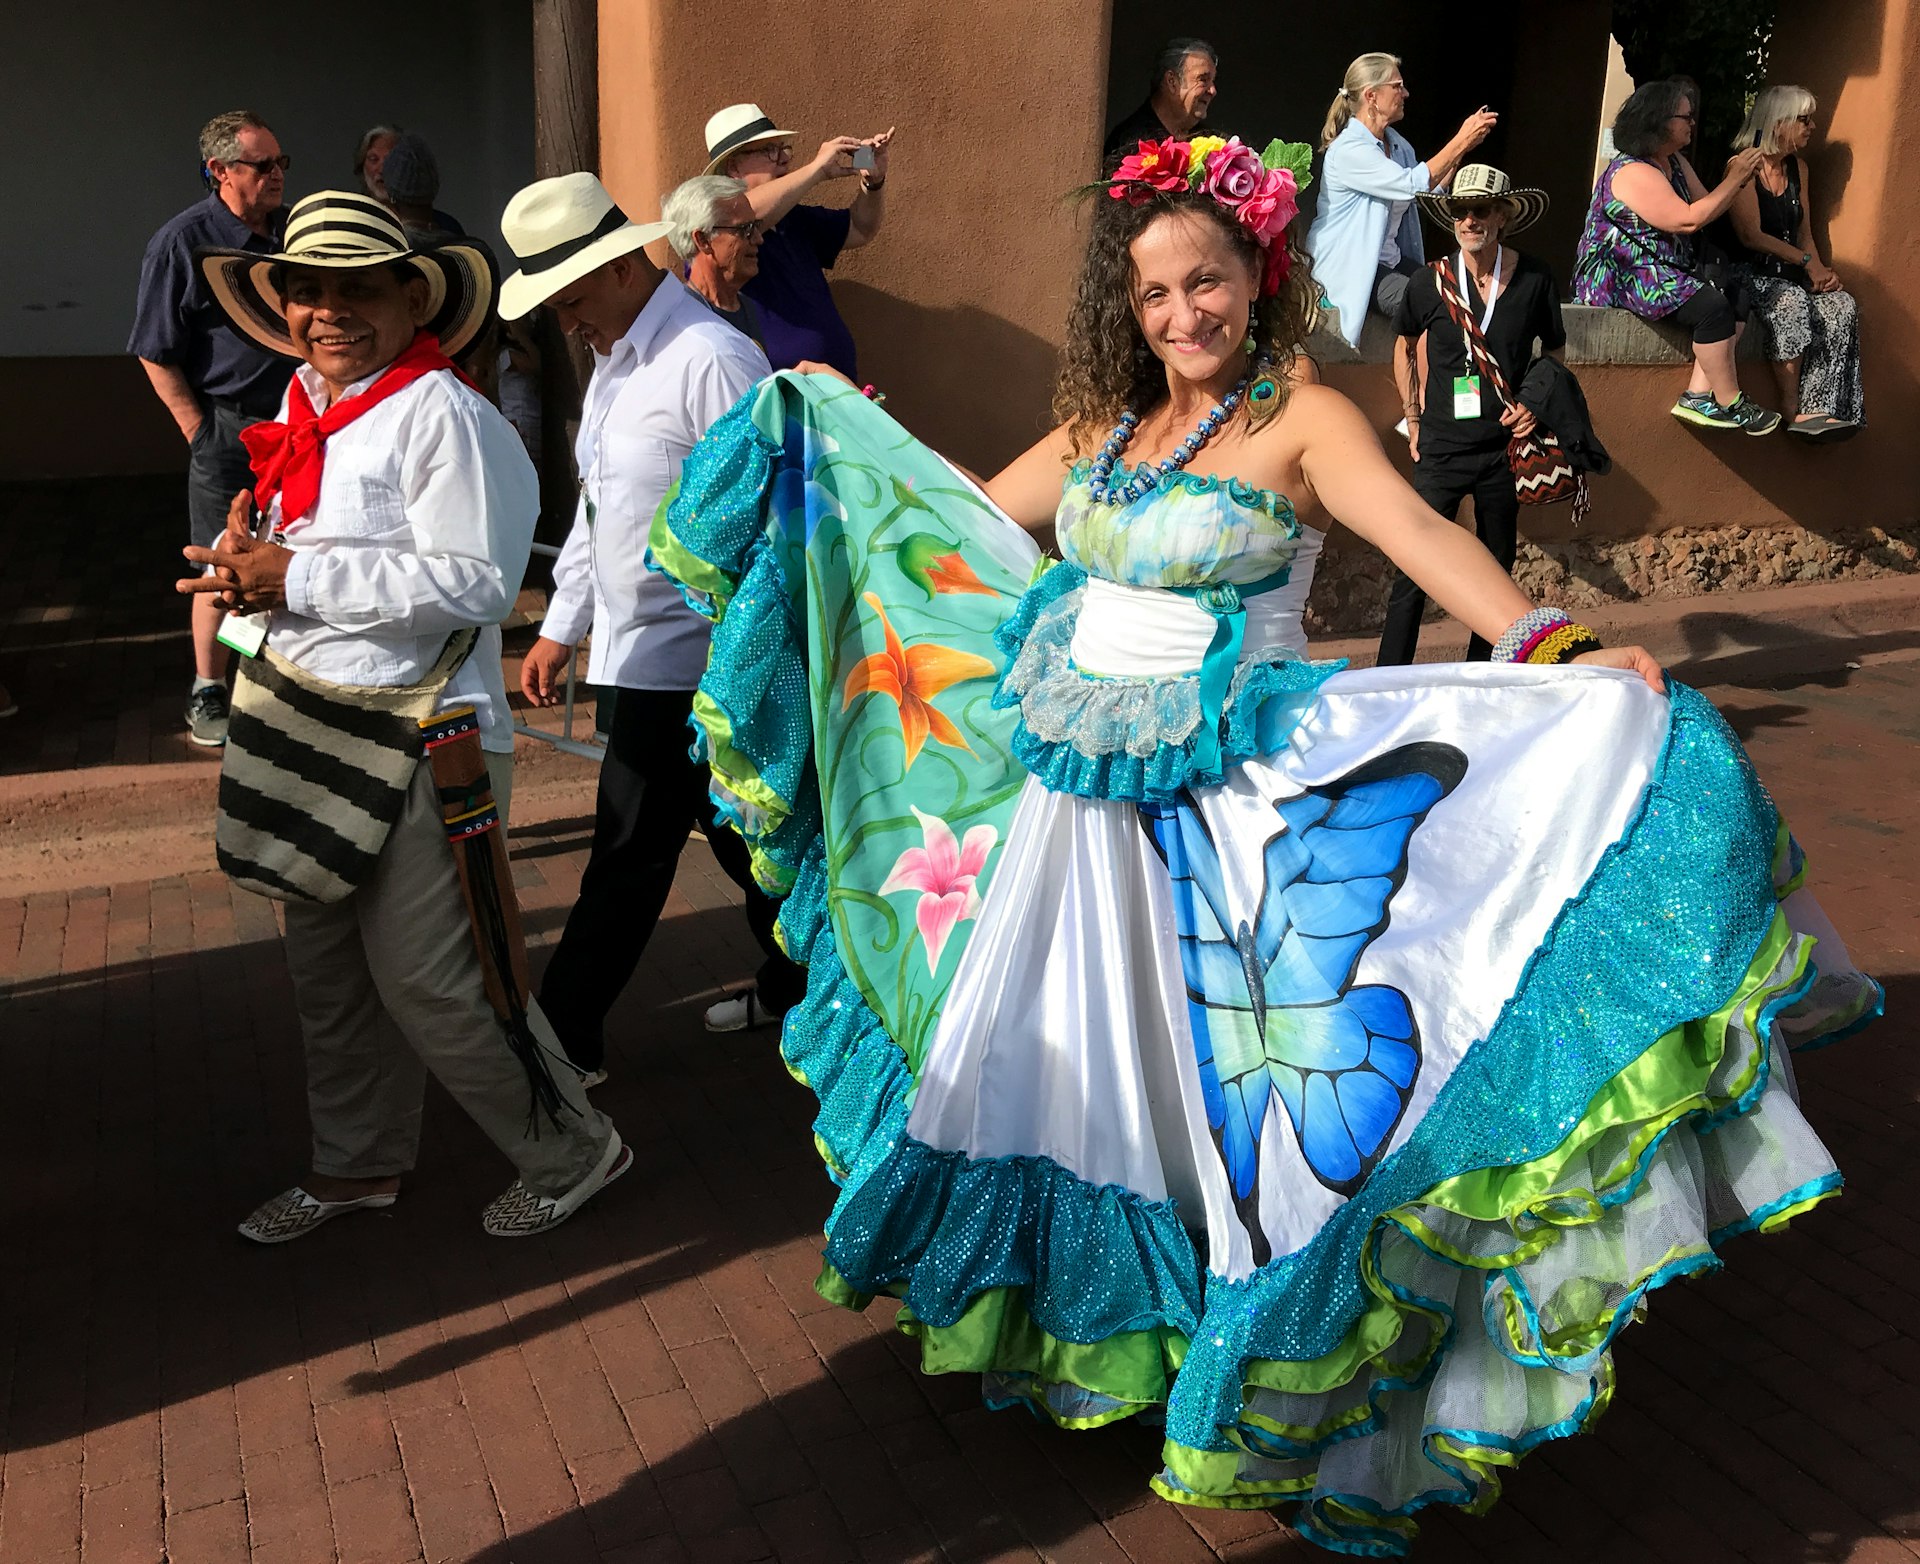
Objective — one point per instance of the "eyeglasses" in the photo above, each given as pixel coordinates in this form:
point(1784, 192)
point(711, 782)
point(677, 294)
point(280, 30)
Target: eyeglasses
point(1805, 119)
point(260, 165)
point(777, 152)
point(1687, 117)
point(746, 231)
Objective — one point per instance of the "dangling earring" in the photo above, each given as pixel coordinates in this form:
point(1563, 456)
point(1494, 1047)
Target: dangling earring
point(1253, 330)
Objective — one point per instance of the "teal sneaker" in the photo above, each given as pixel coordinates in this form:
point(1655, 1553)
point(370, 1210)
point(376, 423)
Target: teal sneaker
point(1700, 409)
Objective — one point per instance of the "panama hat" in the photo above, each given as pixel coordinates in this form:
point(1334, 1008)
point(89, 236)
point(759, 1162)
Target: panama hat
point(1478, 182)
point(736, 126)
point(560, 229)
point(342, 230)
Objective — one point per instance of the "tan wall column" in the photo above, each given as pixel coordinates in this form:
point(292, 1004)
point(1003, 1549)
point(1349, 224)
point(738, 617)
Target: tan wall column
point(958, 306)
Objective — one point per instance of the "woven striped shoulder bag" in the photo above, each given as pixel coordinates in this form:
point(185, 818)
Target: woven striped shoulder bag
point(315, 774)
point(1542, 474)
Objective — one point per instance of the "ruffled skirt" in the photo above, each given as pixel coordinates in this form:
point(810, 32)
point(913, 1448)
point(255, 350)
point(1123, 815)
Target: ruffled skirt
point(1341, 1110)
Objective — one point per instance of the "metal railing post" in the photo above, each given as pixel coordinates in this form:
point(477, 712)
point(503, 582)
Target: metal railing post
point(564, 741)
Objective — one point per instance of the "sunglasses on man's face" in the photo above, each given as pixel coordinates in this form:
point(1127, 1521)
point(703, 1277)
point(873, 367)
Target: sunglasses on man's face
point(262, 166)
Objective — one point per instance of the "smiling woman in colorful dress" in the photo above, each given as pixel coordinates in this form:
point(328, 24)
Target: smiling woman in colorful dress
point(1321, 1059)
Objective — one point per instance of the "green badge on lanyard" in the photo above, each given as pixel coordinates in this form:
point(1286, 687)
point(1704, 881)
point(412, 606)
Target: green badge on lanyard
point(1466, 396)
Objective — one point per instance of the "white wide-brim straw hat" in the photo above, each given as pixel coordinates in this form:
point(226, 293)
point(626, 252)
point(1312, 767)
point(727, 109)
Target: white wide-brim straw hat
point(737, 126)
point(560, 229)
point(1480, 182)
point(343, 230)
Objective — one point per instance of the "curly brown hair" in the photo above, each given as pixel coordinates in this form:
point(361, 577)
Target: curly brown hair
point(1107, 366)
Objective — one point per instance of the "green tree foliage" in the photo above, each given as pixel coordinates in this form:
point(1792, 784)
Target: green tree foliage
point(1721, 44)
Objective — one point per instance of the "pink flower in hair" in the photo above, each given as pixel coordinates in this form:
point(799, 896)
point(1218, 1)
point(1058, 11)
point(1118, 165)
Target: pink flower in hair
point(1272, 205)
point(1232, 173)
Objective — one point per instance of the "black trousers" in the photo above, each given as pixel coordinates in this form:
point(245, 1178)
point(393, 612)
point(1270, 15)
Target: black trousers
point(651, 797)
point(1443, 480)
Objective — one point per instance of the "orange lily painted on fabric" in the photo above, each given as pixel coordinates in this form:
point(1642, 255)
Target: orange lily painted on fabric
point(910, 676)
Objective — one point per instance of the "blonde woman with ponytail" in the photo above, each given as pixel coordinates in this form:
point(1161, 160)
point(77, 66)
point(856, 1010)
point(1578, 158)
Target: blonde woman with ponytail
point(1365, 240)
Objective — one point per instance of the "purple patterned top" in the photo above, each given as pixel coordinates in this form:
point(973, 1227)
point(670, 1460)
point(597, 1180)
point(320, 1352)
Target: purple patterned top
point(1625, 262)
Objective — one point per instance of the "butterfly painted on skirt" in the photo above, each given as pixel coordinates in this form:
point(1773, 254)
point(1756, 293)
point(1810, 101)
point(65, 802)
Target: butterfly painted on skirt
point(1272, 1004)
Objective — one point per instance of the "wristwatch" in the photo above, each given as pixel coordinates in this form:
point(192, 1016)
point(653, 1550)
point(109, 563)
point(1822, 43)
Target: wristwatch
point(1806, 257)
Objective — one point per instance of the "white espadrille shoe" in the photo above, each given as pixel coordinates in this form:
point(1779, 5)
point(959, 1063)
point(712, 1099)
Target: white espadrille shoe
point(520, 1213)
point(293, 1213)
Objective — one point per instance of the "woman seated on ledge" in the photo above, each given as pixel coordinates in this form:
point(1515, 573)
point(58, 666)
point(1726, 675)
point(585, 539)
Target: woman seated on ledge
point(1809, 324)
point(1639, 252)
point(1365, 240)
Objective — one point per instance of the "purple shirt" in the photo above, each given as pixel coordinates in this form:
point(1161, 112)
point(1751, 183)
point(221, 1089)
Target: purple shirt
point(798, 318)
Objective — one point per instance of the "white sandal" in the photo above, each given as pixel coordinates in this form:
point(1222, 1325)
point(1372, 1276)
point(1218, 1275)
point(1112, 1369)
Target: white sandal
point(520, 1213)
point(294, 1213)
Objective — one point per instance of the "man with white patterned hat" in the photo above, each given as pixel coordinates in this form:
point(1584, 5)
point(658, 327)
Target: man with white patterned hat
point(665, 367)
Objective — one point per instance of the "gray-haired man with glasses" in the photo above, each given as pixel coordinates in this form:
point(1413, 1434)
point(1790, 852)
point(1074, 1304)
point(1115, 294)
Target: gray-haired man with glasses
point(214, 382)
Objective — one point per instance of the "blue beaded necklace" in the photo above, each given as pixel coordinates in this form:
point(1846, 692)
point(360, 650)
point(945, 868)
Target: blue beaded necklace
point(1145, 480)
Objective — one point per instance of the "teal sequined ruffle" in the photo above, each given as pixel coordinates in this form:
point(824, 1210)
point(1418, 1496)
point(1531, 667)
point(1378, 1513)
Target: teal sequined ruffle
point(1132, 739)
point(939, 1228)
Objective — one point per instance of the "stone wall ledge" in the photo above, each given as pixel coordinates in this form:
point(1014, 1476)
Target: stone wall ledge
point(1594, 336)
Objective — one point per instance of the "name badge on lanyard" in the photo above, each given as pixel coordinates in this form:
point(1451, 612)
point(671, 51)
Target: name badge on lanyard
point(1466, 388)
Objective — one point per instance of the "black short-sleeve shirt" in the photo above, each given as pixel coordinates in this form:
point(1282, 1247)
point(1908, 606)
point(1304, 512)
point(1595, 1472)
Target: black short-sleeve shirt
point(1528, 308)
point(176, 322)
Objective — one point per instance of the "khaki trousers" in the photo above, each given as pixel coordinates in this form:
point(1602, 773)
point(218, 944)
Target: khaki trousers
point(387, 986)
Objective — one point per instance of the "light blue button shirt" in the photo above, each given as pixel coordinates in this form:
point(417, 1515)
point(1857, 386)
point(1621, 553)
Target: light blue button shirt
point(1358, 189)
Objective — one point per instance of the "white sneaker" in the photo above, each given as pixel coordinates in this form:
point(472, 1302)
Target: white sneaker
point(592, 1078)
point(520, 1213)
point(741, 1012)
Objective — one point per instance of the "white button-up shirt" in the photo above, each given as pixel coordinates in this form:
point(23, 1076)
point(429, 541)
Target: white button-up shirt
point(423, 527)
point(677, 369)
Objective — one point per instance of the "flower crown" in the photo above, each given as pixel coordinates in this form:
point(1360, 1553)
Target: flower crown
point(1261, 189)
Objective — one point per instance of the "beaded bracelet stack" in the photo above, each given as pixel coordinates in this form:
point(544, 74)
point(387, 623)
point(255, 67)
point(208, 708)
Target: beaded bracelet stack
point(1544, 636)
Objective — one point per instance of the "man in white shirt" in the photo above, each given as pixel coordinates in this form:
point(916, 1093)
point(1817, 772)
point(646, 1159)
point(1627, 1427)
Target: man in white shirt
point(398, 516)
point(665, 367)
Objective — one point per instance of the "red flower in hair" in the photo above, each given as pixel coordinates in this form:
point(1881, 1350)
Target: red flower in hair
point(1279, 267)
point(1159, 165)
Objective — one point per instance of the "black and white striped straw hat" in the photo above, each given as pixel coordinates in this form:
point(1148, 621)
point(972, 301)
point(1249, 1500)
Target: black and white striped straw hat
point(1479, 183)
point(344, 230)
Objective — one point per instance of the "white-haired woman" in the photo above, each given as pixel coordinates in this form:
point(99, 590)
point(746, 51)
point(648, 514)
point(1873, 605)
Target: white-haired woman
point(714, 232)
point(1365, 238)
point(1809, 324)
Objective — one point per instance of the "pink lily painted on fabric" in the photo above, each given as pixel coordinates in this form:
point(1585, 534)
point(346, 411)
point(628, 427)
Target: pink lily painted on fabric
point(943, 870)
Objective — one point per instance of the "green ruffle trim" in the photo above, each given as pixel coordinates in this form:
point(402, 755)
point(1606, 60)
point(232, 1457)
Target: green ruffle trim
point(996, 1335)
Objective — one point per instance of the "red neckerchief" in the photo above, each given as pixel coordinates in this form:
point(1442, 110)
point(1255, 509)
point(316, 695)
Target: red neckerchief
point(287, 457)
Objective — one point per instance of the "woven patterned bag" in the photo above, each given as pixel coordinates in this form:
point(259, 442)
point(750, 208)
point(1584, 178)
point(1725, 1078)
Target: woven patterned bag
point(315, 773)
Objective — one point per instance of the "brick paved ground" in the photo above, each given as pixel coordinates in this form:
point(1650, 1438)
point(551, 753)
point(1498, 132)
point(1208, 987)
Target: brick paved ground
point(657, 1380)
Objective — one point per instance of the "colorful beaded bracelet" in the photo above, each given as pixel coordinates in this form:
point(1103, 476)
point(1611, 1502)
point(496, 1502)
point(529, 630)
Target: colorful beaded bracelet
point(1544, 636)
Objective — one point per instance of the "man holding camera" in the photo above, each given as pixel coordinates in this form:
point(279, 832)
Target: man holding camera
point(800, 243)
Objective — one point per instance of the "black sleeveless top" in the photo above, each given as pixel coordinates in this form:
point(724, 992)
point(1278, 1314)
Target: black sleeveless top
point(1780, 219)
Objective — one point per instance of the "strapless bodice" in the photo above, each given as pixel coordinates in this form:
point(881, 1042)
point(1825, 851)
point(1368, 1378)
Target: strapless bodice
point(1187, 530)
